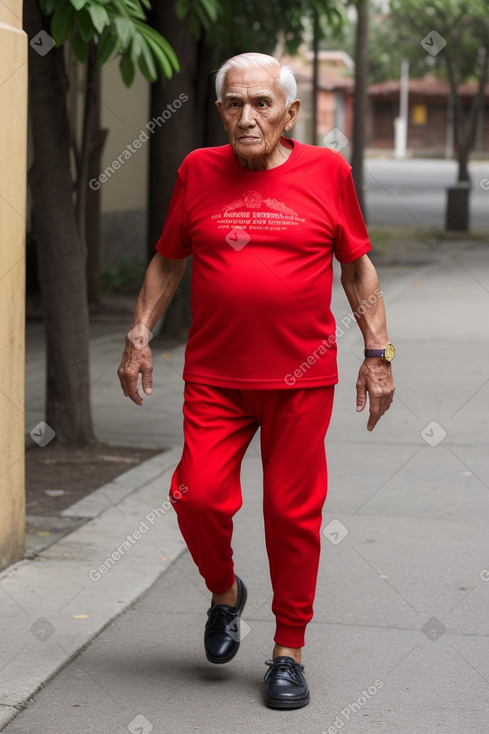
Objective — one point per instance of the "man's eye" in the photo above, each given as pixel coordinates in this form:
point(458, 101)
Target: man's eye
point(262, 104)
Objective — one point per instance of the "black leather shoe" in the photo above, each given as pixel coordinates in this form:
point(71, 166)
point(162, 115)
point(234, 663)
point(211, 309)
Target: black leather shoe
point(286, 685)
point(222, 631)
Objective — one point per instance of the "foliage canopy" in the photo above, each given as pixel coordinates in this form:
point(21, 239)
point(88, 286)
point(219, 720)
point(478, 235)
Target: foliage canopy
point(119, 28)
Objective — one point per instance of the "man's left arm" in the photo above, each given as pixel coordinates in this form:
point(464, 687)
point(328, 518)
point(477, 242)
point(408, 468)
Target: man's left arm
point(360, 282)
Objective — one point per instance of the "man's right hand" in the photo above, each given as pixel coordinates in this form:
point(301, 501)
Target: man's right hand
point(160, 282)
point(136, 360)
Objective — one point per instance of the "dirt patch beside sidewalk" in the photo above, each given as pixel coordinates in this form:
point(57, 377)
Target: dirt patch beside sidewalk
point(57, 476)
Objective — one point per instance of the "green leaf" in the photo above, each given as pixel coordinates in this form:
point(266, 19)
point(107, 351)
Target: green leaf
point(147, 55)
point(125, 32)
point(62, 23)
point(161, 49)
point(106, 46)
point(84, 25)
point(161, 58)
point(203, 17)
point(133, 8)
point(127, 69)
point(99, 17)
point(136, 47)
point(47, 6)
point(120, 7)
point(200, 14)
point(79, 48)
point(157, 41)
point(181, 8)
point(149, 72)
point(212, 8)
point(78, 4)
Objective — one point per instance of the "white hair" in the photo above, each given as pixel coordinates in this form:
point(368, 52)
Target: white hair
point(286, 80)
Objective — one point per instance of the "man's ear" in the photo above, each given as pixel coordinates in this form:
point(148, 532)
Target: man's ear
point(292, 114)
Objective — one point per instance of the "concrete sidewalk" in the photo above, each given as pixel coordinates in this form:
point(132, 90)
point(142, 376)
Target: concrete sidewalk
point(399, 641)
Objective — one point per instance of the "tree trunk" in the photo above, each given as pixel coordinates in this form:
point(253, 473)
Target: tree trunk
point(93, 217)
point(465, 123)
point(463, 164)
point(360, 101)
point(89, 114)
point(170, 143)
point(61, 254)
point(208, 61)
point(93, 204)
point(457, 216)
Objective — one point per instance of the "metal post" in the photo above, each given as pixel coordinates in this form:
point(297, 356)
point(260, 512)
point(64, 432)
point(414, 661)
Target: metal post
point(401, 122)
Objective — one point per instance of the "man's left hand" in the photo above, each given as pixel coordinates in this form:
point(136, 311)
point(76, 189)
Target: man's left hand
point(375, 379)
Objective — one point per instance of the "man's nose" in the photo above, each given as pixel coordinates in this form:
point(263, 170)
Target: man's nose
point(247, 117)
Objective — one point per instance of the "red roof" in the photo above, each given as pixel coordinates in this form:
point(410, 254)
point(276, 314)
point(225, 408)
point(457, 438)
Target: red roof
point(428, 86)
point(333, 69)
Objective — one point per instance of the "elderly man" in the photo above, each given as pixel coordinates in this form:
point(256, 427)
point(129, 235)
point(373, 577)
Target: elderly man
point(262, 218)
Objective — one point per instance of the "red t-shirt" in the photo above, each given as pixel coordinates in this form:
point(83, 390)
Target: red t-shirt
point(262, 245)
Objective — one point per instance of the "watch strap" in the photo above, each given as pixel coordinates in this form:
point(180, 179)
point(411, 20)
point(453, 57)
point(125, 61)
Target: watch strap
point(379, 353)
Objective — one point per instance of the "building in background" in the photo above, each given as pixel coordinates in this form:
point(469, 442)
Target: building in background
point(430, 116)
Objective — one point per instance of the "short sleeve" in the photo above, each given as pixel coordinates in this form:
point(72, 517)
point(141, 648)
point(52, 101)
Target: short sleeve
point(174, 242)
point(351, 236)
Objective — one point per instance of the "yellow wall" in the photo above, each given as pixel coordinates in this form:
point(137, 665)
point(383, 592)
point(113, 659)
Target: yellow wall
point(125, 113)
point(13, 107)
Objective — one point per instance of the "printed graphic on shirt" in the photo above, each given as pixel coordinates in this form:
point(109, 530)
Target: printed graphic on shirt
point(252, 211)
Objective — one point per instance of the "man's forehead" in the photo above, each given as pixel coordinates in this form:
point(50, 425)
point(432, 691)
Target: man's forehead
point(255, 80)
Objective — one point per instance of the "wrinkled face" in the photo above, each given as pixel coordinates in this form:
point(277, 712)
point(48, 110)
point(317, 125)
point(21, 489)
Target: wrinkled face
point(254, 113)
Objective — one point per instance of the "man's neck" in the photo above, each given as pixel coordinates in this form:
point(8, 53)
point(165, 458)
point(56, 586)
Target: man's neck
point(265, 163)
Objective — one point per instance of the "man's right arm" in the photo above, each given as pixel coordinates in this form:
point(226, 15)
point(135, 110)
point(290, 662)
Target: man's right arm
point(160, 283)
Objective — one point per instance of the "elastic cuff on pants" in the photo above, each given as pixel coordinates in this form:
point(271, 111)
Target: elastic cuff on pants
point(289, 636)
point(222, 586)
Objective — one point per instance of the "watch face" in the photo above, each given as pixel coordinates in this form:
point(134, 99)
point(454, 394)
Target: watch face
point(390, 353)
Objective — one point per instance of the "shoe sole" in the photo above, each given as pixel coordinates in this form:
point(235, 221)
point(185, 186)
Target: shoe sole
point(274, 703)
point(222, 661)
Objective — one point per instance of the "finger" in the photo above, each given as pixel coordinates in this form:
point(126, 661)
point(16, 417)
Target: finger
point(378, 406)
point(373, 419)
point(147, 378)
point(122, 379)
point(361, 394)
point(129, 384)
point(132, 391)
point(134, 395)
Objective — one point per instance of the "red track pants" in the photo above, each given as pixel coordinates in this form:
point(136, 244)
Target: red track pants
point(219, 424)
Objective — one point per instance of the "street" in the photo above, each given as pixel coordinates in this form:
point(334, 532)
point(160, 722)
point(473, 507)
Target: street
point(412, 192)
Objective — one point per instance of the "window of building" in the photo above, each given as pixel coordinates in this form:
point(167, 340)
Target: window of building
point(419, 114)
